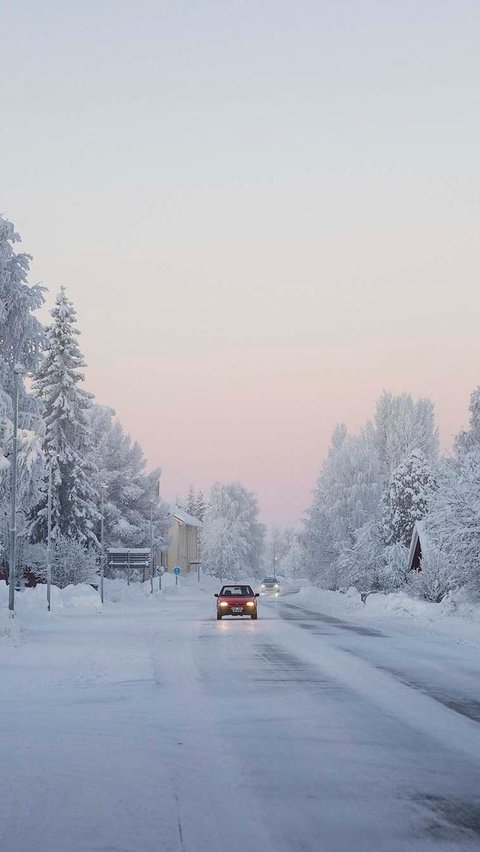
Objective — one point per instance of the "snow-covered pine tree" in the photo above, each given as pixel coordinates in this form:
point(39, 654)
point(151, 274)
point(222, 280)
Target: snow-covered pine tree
point(21, 341)
point(200, 505)
point(189, 504)
point(194, 503)
point(67, 441)
point(406, 499)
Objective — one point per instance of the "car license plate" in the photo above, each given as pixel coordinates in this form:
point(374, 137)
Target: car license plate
point(237, 608)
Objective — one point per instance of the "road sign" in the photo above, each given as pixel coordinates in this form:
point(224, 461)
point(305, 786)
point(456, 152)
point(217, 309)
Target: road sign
point(177, 570)
point(128, 559)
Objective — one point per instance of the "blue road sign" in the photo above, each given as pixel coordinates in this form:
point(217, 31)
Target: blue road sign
point(177, 570)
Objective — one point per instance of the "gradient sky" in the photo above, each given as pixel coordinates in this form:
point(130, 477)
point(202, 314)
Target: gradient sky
point(264, 212)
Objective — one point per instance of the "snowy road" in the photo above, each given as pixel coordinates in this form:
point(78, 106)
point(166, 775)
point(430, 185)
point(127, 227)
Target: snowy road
point(152, 726)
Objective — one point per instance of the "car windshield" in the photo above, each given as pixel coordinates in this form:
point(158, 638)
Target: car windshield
point(231, 591)
point(270, 580)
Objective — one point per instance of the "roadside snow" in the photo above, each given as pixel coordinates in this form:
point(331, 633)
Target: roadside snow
point(455, 616)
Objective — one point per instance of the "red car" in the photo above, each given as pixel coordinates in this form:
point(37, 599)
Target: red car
point(236, 599)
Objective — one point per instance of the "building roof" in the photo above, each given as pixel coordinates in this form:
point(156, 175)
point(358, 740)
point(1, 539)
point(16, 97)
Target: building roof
point(185, 518)
point(418, 535)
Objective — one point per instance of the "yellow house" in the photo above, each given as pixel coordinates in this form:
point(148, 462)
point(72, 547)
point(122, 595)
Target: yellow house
point(183, 549)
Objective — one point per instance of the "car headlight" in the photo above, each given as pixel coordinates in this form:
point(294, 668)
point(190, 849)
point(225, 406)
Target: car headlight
point(250, 603)
point(223, 603)
point(276, 586)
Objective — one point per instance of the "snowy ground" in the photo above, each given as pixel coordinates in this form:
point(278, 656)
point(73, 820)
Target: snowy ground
point(325, 725)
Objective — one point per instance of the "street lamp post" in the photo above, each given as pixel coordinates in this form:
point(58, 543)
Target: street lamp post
point(102, 548)
point(49, 534)
point(18, 370)
point(151, 549)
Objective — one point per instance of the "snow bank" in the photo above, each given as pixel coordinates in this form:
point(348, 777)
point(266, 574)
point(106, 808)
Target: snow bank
point(33, 602)
point(119, 591)
point(28, 602)
point(10, 629)
point(456, 604)
point(330, 602)
point(81, 596)
point(455, 615)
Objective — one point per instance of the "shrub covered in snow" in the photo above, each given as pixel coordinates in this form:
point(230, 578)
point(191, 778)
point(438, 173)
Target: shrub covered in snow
point(436, 577)
point(71, 562)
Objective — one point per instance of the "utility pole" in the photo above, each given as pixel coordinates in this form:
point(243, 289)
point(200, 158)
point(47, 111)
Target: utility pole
point(151, 548)
point(17, 371)
point(49, 534)
point(102, 548)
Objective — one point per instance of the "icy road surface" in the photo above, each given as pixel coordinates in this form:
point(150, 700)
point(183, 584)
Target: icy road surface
point(152, 727)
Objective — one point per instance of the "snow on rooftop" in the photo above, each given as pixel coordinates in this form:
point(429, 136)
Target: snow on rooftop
point(185, 518)
point(133, 550)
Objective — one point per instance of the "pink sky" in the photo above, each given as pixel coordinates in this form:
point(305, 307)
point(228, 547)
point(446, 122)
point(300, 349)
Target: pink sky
point(267, 423)
point(264, 218)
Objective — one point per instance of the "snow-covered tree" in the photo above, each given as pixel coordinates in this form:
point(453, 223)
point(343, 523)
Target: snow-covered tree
point(406, 499)
point(231, 536)
point(402, 426)
point(393, 571)
point(200, 506)
point(278, 544)
point(188, 503)
point(71, 562)
point(362, 564)
point(194, 503)
point(346, 496)
point(21, 341)
point(453, 520)
point(30, 474)
point(469, 439)
point(67, 440)
point(21, 334)
point(131, 498)
point(437, 577)
point(342, 525)
point(292, 562)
